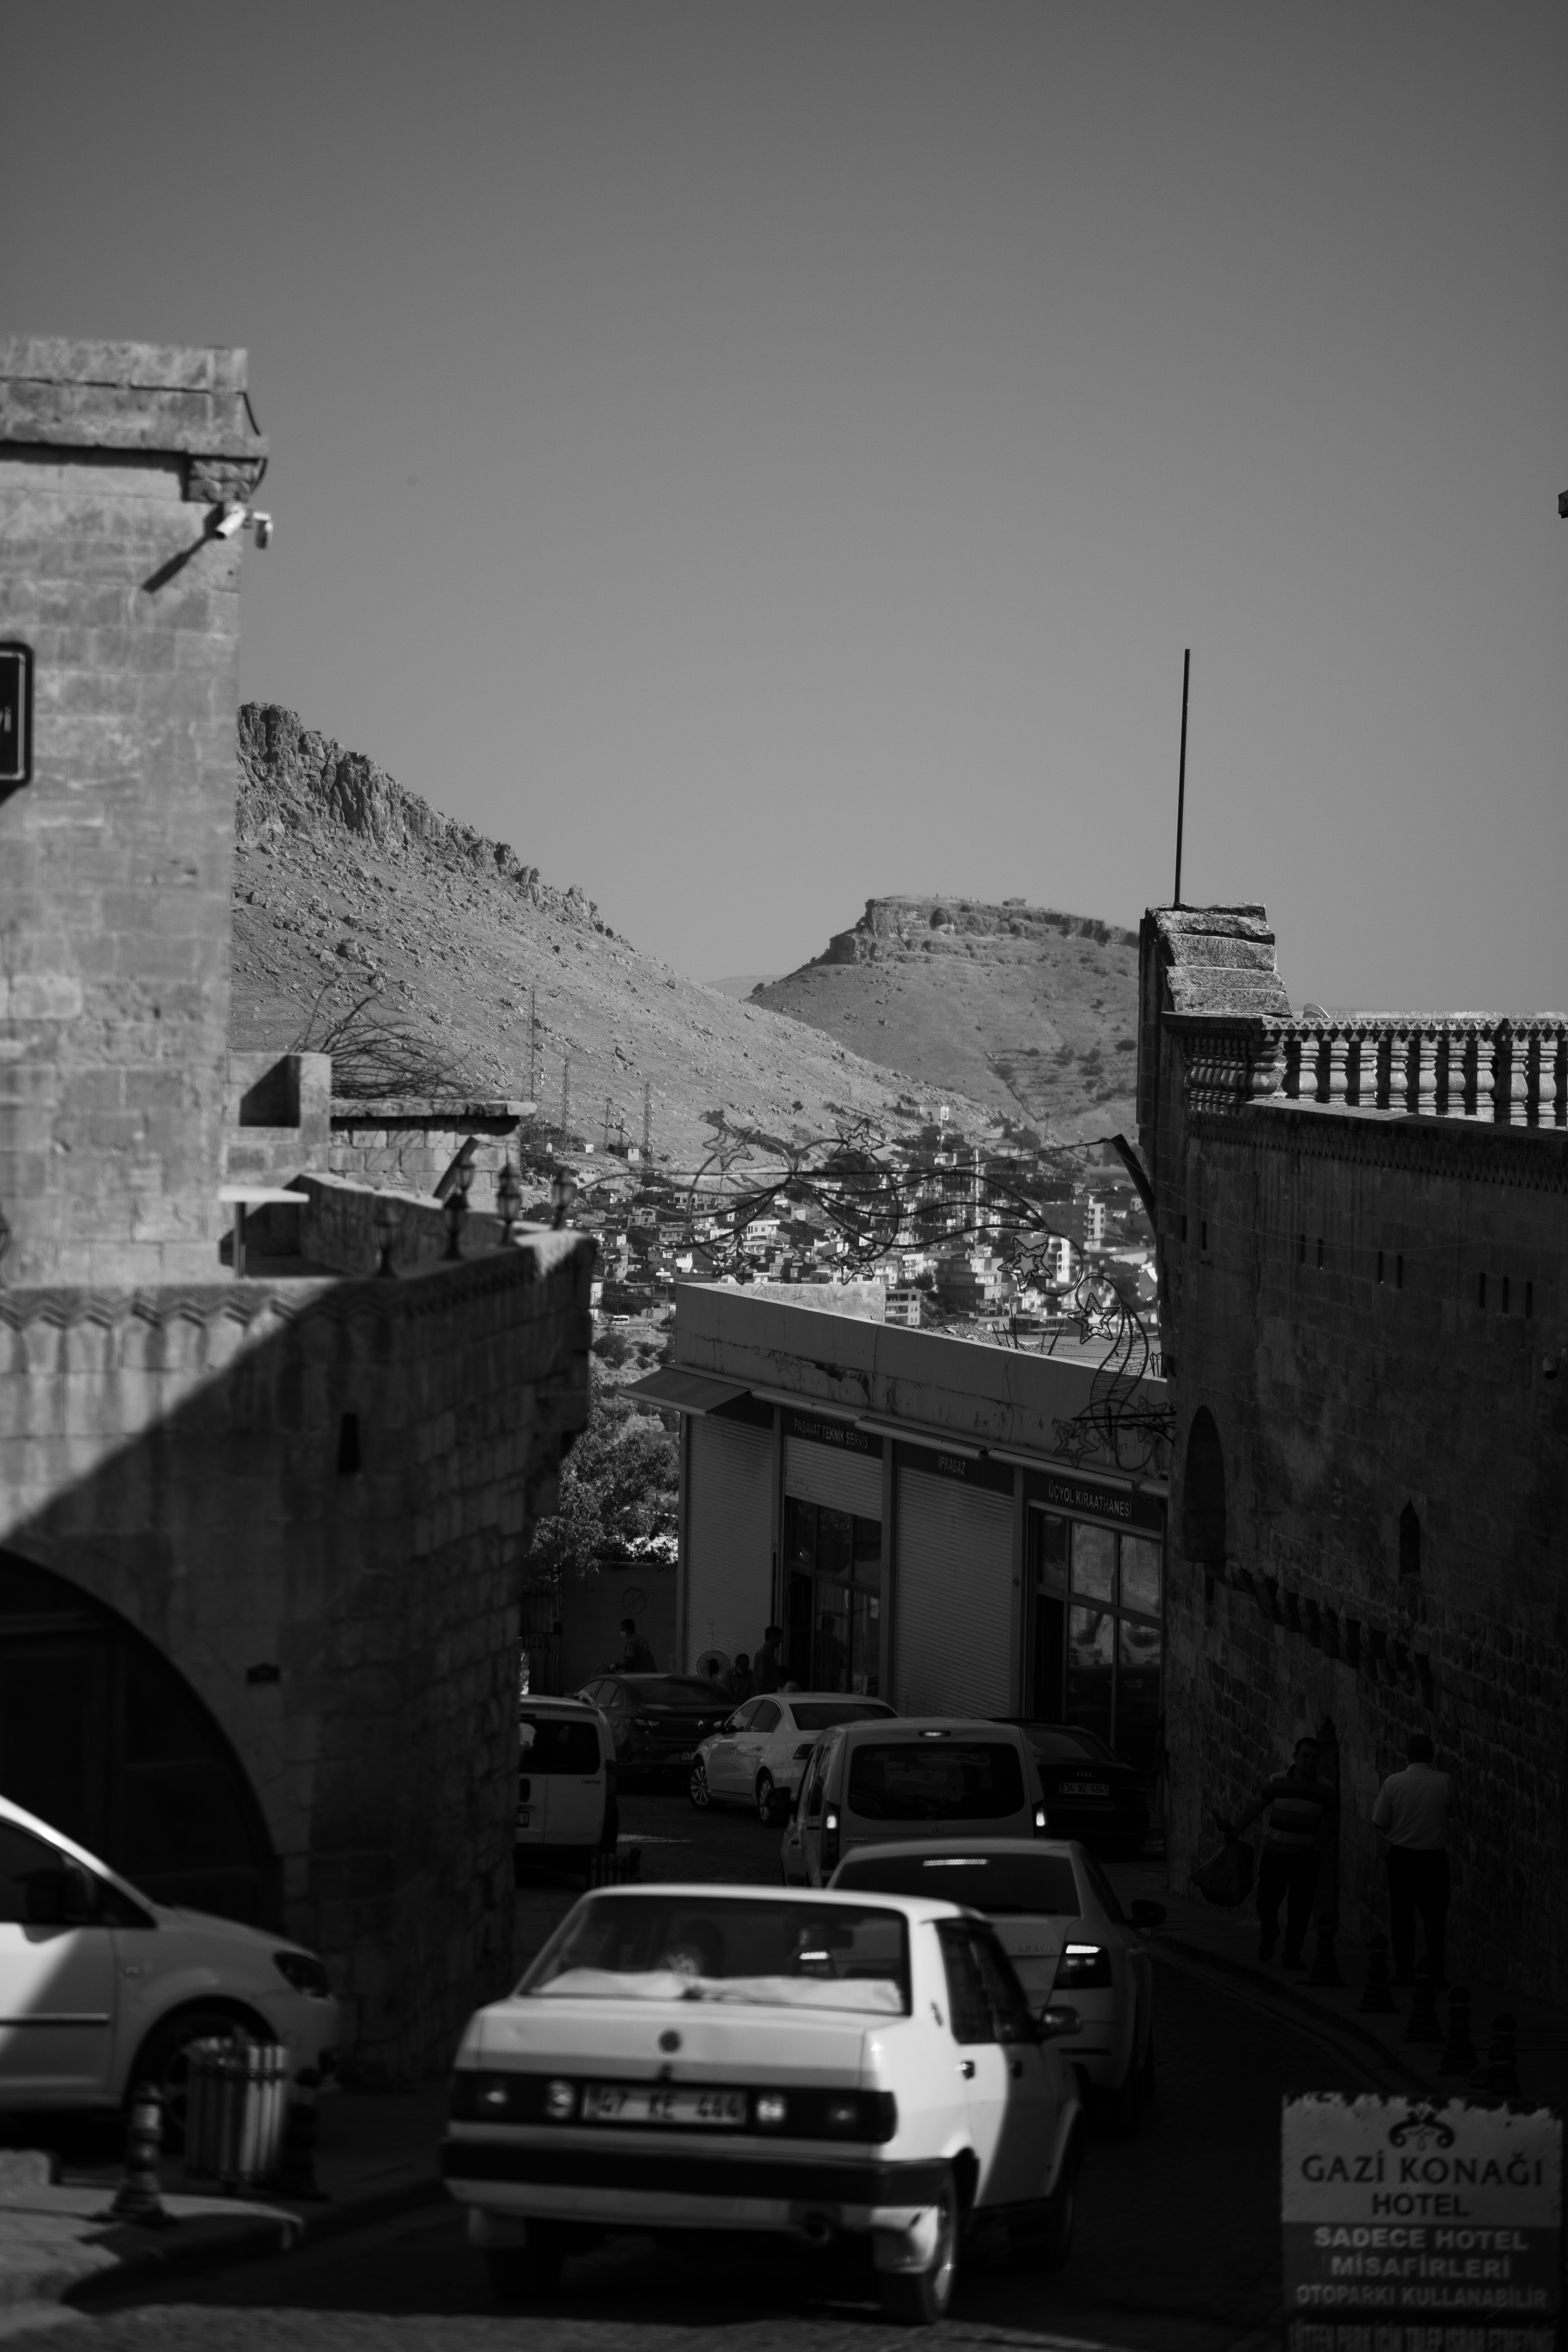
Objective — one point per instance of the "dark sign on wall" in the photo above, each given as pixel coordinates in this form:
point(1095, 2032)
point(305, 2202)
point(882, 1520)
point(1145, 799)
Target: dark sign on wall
point(1087, 1499)
point(841, 1433)
point(995, 1475)
point(15, 715)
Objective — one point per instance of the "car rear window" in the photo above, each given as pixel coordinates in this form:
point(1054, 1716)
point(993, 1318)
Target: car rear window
point(935, 1781)
point(552, 1743)
point(756, 1950)
point(1053, 1747)
point(823, 1714)
point(675, 1690)
point(999, 1884)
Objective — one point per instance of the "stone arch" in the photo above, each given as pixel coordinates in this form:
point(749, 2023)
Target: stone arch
point(103, 1738)
point(1202, 1493)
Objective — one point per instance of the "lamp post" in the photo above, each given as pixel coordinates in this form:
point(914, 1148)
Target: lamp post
point(455, 1208)
point(562, 1192)
point(386, 1236)
point(509, 1200)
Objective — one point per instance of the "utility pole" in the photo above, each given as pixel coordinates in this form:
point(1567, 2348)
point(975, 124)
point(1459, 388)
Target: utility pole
point(566, 1092)
point(1182, 771)
point(609, 1116)
point(533, 1044)
point(648, 1122)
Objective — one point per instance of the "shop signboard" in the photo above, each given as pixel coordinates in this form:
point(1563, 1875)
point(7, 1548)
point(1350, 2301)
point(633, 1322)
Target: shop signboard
point(1411, 2214)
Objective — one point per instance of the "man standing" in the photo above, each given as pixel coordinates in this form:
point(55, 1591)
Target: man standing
point(1412, 1814)
point(1303, 1812)
point(766, 1665)
point(636, 1658)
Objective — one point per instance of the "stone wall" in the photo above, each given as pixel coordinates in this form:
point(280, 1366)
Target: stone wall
point(1371, 1308)
point(411, 1145)
point(115, 860)
point(332, 1482)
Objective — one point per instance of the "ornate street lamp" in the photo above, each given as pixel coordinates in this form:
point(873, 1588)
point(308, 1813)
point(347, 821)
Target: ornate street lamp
point(509, 1201)
point(455, 1208)
point(562, 1192)
point(385, 1237)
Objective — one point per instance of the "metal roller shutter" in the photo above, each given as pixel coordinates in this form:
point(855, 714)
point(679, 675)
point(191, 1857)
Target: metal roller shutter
point(953, 1598)
point(844, 1482)
point(730, 1539)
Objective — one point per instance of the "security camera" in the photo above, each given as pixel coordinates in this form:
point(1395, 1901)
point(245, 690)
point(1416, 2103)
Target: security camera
point(263, 523)
point(230, 521)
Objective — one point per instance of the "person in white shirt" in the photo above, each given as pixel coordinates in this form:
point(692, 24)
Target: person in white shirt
point(1411, 1814)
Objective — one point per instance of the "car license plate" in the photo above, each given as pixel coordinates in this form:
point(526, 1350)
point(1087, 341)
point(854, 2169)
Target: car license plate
point(618, 2103)
point(523, 1817)
point(1085, 1788)
point(688, 1756)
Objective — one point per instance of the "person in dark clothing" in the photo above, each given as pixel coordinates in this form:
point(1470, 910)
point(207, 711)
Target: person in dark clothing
point(636, 1658)
point(1303, 1812)
point(766, 1665)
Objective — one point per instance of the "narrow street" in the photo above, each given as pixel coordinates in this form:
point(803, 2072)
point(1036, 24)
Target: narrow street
point(1176, 2248)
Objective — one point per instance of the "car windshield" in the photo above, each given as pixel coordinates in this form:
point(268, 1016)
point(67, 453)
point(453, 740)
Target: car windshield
point(936, 1779)
point(1055, 1747)
point(674, 1690)
point(822, 1714)
point(758, 1950)
point(553, 1743)
point(1000, 1884)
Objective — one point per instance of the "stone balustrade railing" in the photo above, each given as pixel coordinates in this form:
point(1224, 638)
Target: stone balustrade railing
point(1509, 1073)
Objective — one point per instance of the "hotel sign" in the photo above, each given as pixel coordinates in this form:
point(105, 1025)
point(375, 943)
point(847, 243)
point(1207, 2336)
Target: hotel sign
point(1421, 2210)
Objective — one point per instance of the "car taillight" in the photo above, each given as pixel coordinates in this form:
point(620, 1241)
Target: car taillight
point(1083, 1967)
point(1040, 1820)
point(830, 1838)
point(803, 1750)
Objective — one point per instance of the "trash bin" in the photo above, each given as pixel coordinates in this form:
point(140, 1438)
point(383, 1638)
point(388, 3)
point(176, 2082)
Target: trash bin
point(236, 2103)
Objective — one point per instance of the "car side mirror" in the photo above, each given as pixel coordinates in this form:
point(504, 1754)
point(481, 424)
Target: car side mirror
point(1059, 2019)
point(1146, 1916)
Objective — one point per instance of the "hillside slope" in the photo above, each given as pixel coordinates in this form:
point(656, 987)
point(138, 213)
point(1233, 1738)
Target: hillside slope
point(1030, 1013)
point(347, 885)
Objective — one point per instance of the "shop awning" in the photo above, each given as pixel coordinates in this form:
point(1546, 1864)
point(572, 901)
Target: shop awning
point(678, 1392)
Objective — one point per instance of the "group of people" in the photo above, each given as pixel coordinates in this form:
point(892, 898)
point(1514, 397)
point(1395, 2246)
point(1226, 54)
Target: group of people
point(749, 1678)
point(1411, 1816)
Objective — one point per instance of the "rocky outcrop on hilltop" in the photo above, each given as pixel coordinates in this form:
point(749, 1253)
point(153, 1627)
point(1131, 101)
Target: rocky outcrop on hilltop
point(294, 781)
point(1029, 1010)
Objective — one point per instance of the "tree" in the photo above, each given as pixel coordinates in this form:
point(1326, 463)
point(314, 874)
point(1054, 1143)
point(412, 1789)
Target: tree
point(619, 1485)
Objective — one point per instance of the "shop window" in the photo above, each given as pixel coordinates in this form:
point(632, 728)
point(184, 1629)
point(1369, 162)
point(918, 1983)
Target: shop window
point(1097, 1638)
point(833, 1604)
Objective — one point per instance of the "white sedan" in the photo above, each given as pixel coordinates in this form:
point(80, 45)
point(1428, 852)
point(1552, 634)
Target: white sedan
point(816, 2064)
point(1060, 1924)
point(758, 1757)
point(101, 1987)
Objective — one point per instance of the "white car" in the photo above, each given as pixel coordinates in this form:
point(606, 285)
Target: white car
point(817, 2065)
point(757, 1758)
point(916, 1777)
point(566, 1805)
point(1062, 1927)
point(100, 1988)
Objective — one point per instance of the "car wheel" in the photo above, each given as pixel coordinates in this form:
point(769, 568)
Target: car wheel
point(164, 2059)
point(767, 1799)
point(920, 2298)
point(517, 2272)
point(700, 1794)
point(1045, 2235)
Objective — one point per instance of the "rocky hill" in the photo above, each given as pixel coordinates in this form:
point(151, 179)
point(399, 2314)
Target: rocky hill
point(1031, 1012)
point(351, 891)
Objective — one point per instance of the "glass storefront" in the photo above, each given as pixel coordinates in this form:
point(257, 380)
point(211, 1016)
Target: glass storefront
point(1098, 1644)
point(833, 1599)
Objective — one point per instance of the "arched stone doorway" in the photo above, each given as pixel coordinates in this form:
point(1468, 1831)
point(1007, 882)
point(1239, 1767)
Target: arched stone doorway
point(1202, 1493)
point(103, 1738)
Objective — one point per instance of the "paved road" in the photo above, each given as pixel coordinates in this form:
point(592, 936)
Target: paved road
point(1176, 2247)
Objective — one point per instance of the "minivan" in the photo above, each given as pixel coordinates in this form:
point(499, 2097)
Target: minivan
point(566, 1807)
point(916, 1777)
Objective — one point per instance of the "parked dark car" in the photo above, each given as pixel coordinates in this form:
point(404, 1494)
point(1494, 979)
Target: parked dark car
point(657, 1721)
point(1091, 1794)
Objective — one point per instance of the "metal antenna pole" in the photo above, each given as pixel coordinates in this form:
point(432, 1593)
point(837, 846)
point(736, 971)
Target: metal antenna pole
point(533, 1044)
point(565, 1093)
point(646, 1121)
point(1181, 772)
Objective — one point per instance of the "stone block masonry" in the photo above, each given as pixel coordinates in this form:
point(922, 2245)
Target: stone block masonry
point(180, 1456)
point(115, 861)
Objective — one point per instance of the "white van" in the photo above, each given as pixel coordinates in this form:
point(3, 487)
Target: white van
point(916, 1777)
point(566, 1807)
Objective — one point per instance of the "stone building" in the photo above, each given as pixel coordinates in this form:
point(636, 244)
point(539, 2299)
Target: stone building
point(1363, 1247)
point(260, 1536)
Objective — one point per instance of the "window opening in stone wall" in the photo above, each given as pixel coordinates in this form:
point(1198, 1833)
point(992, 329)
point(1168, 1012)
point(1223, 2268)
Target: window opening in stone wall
point(1099, 1641)
point(347, 1445)
point(1409, 1543)
point(833, 1598)
point(1202, 1493)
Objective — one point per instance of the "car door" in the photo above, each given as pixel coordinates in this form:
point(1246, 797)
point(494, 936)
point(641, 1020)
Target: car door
point(1009, 2090)
point(723, 1775)
point(574, 1798)
point(756, 1751)
point(58, 1978)
point(810, 1815)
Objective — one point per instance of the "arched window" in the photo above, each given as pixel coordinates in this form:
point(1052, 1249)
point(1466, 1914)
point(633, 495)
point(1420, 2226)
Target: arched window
point(1409, 1542)
point(1202, 1493)
point(104, 1739)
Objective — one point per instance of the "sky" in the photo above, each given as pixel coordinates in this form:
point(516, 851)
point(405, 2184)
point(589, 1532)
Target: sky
point(756, 457)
